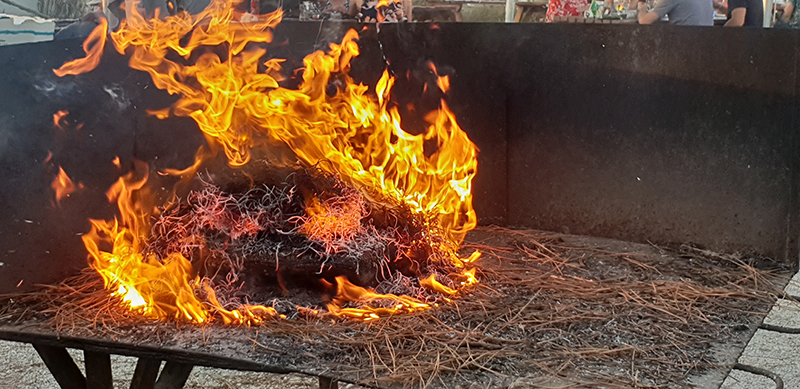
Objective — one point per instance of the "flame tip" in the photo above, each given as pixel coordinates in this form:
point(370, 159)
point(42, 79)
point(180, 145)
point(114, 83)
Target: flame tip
point(238, 103)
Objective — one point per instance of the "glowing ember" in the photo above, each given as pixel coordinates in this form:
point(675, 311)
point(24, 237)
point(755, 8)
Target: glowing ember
point(334, 222)
point(356, 130)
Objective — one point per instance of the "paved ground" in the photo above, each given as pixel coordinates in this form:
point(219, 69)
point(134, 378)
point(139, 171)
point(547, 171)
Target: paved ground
point(777, 352)
point(22, 368)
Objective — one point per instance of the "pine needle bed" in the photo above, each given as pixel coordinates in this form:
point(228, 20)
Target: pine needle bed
point(551, 310)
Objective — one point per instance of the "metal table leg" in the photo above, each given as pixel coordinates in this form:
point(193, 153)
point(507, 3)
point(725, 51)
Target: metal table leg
point(174, 375)
point(62, 366)
point(328, 383)
point(98, 370)
point(144, 377)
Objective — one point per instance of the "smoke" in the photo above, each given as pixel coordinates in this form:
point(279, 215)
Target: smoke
point(118, 96)
point(54, 90)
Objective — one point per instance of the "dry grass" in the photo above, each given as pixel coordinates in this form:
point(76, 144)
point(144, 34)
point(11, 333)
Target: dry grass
point(561, 310)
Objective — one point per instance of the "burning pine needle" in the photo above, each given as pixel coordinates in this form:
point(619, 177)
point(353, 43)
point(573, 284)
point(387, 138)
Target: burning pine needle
point(396, 211)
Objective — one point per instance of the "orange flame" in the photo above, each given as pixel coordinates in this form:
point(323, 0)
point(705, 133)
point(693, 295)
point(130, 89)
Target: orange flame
point(62, 185)
point(159, 288)
point(436, 286)
point(58, 117)
point(443, 82)
point(93, 47)
point(469, 278)
point(362, 137)
point(357, 130)
point(347, 292)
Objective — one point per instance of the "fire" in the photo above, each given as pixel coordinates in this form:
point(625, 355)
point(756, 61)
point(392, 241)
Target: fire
point(63, 185)
point(443, 82)
point(159, 288)
point(58, 117)
point(347, 292)
point(469, 278)
point(335, 221)
point(436, 286)
point(93, 46)
point(356, 130)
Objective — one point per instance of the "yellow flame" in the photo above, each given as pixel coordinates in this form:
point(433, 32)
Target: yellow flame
point(347, 292)
point(130, 296)
point(362, 138)
point(436, 286)
point(469, 278)
point(160, 288)
point(356, 130)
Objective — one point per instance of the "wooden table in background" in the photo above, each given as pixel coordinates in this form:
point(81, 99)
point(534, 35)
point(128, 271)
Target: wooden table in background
point(581, 19)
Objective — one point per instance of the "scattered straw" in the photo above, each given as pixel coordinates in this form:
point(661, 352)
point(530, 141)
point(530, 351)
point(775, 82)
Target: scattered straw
point(550, 310)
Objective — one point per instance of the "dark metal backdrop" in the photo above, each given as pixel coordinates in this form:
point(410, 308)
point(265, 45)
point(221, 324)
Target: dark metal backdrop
point(651, 133)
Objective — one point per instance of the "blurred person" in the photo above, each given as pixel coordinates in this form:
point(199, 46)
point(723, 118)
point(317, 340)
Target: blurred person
point(720, 6)
point(787, 15)
point(344, 8)
point(390, 12)
point(681, 12)
point(565, 8)
point(83, 27)
point(745, 13)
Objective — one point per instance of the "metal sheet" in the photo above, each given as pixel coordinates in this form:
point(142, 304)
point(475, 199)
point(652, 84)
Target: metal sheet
point(566, 118)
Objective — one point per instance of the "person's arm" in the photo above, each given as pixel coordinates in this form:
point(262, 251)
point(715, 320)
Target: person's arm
point(787, 11)
point(737, 17)
point(644, 16)
point(721, 9)
point(355, 8)
point(408, 7)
